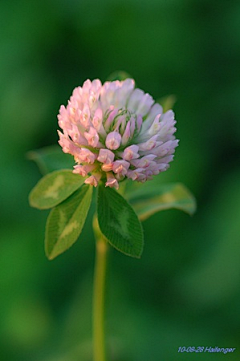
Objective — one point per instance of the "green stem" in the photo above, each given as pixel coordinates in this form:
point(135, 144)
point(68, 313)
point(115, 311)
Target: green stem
point(99, 295)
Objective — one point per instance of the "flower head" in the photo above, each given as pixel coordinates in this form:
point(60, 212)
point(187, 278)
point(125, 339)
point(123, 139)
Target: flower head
point(116, 132)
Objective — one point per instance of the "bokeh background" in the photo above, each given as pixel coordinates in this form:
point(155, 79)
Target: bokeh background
point(185, 291)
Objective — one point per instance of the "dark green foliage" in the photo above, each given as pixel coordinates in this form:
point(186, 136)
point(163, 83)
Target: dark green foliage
point(65, 222)
point(119, 223)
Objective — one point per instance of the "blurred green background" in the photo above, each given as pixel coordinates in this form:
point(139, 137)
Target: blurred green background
point(185, 291)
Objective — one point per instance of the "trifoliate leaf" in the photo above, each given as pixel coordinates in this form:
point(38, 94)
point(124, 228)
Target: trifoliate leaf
point(49, 159)
point(53, 188)
point(148, 200)
point(119, 223)
point(65, 222)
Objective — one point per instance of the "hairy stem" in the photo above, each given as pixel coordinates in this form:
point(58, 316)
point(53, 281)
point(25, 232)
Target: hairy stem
point(99, 295)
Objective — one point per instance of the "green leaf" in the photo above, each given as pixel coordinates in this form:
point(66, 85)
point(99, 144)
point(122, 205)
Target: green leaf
point(54, 188)
point(52, 158)
point(148, 200)
point(119, 223)
point(65, 222)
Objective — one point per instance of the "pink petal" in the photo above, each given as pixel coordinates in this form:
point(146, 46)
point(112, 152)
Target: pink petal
point(131, 152)
point(85, 156)
point(92, 137)
point(120, 167)
point(92, 180)
point(113, 140)
point(126, 134)
point(105, 156)
point(111, 181)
